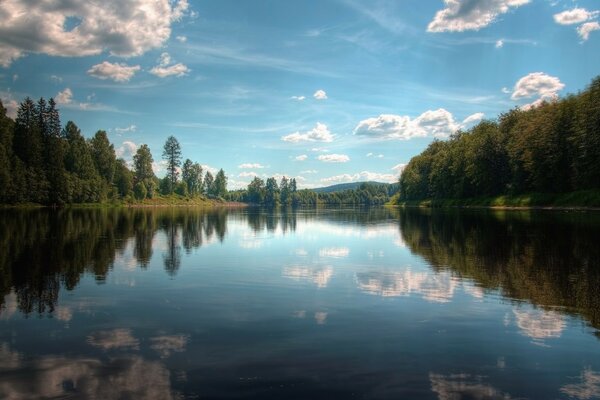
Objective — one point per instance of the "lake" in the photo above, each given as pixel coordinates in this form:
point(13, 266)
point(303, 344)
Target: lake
point(309, 304)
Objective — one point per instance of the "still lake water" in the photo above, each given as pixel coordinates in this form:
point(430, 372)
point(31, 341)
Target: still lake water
point(374, 304)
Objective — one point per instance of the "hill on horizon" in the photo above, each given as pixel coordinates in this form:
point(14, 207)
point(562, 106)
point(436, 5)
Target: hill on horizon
point(340, 187)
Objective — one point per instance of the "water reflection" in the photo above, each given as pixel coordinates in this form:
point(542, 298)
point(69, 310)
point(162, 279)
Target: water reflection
point(547, 259)
point(89, 378)
point(464, 386)
point(588, 387)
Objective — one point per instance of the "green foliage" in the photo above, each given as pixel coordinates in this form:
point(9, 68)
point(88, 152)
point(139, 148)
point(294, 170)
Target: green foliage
point(44, 164)
point(551, 148)
point(139, 191)
point(172, 155)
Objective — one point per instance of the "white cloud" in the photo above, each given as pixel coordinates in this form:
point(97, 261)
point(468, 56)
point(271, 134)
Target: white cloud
point(334, 158)
point(309, 171)
point(320, 95)
point(181, 39)
point(247, 174)
point(473, 118)
point(56, 79)
point(574, 16)
point(251, 166)
point(499, 43)
point(375, 155)
point(334, 252)
point(299, 98)
point(130, 128)
point(163, 69)
point(399, 168)
point(537, 84)
point(438, 123)
point(320, 133)
point(122, 27)
point(117, 72)
point(463, 15)
point(359, 177)
point(64, 97)
point(301, 157)
point(126, 150)
point(505, 90)
point(587, 28)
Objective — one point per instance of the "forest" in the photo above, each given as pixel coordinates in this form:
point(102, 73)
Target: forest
point(269, 193)
point(553, 147)
point(43, 163)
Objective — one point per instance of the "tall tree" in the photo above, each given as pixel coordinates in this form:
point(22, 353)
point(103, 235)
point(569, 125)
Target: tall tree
point(209, 186)
point(220, 184)
point(172, 155)
point(103, 153)
point(54, 155)
point(191, 174)
point(142, 164)
point(271, 192)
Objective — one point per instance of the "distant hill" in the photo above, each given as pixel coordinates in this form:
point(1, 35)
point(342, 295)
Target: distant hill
point(345, 186)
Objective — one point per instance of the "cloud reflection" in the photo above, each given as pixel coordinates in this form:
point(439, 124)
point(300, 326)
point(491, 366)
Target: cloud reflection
point(320, 276)
point(539, 324)
point(334, 252)
point(434, 287)
point(589, 388)
point(167, 344)
point(89, 378)
point(464, 386)
point(114, 339)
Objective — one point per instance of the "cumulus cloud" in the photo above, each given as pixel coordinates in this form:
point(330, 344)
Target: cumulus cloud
point(126, 150)
point(320, 133)
point(438, 123)
point(585, 29)
point(333, 158)
point(122, 27)
point(537, 84)
point(574, 16)
point(359, 177)
point(116, 72)
point(399, 168)
point(299, 98)
point(301, 157)
point(320, 95)
point(64, 97)
point(463, 15)
point(251, 166)
point(163, 69)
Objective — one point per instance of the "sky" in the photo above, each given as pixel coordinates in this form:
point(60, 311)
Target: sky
point(325, 91)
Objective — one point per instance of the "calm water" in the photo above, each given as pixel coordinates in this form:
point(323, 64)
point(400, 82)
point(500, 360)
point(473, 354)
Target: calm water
point(391, 304)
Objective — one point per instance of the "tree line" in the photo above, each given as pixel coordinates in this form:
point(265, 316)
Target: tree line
point(42, 162)
point(269, 193)
point(551, 148)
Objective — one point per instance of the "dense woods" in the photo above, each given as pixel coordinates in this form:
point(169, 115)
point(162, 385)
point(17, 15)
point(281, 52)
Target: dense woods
point(551, 148)
point(269, 193)
point(42, 162)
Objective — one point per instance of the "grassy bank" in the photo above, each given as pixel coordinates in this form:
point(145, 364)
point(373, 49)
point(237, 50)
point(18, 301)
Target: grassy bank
point(588, 199)
point(159, 201)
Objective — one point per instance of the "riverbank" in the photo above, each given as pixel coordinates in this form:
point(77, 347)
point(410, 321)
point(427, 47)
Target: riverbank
point(160, 201)
point(581, 200)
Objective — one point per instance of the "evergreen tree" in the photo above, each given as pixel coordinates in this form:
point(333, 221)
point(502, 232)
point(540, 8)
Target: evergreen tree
point(220, 184)
point(123, 178)
point(209, 186)
point(172, 155)
point(103, 153)
point(191, 174)
point(271, 192)
point(142, 164)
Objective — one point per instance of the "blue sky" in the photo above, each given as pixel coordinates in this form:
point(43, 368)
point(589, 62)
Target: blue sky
point(327, 91)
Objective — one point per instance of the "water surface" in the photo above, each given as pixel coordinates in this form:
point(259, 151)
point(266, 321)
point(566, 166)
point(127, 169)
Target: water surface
point(391, 304)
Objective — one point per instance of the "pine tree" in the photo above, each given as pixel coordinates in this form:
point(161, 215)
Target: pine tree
point(172, 155)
